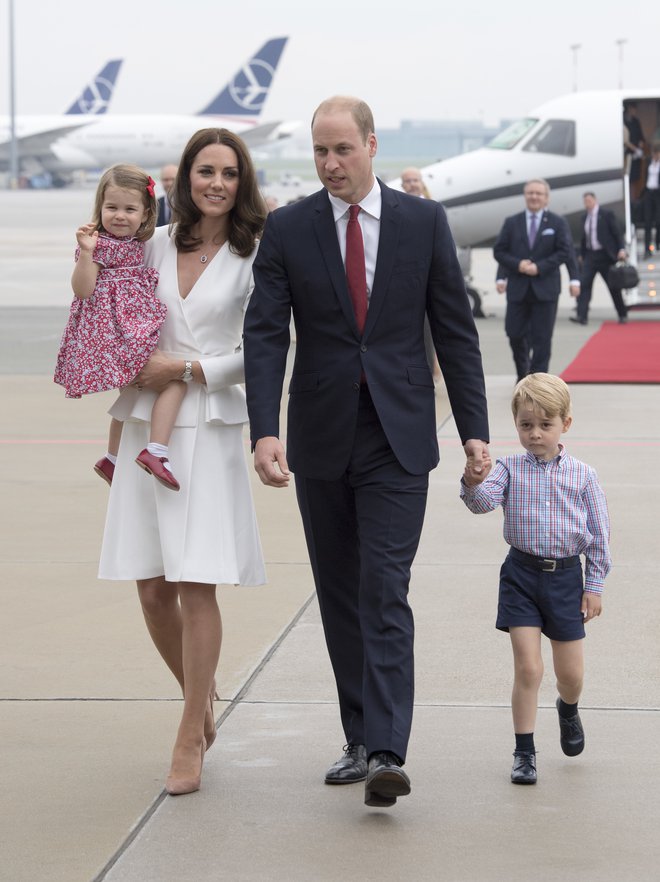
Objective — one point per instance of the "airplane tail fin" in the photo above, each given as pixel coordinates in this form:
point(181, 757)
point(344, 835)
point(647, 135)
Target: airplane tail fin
point(245, 95)
point(96, 96)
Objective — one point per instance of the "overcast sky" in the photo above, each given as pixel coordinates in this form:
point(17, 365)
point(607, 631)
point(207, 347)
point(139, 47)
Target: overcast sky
point(413, 59)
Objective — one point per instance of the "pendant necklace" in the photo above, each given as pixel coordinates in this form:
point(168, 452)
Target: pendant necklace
point(204, 257)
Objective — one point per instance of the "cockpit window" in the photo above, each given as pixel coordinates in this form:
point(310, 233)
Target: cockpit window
point(555, 136)
point(512, 134)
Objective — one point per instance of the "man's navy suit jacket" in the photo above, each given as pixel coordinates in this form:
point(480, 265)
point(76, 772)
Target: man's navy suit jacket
point(552, 247)
point(299, 269)
point(160, 218)
point(608, 233)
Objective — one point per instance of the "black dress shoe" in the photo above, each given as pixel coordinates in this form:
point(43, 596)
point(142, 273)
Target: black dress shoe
point(571, 734)
point(350, 768)
point(576, 320)
point(386, 780)
point(524, 767)
point(623, 319)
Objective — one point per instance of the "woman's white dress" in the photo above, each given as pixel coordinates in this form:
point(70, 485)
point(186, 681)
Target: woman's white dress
point(206, 532)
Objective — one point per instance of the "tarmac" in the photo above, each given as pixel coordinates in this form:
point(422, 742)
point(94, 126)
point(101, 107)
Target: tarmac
point(88, 712)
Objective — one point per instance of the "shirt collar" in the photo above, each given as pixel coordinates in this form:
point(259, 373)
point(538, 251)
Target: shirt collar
point(372, 203)
point(558, 459)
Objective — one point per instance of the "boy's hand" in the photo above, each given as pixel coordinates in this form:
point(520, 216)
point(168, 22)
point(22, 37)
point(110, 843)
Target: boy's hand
point(87, 237)
point(591, 606)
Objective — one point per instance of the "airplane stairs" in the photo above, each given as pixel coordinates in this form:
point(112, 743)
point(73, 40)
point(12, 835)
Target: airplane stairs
point(647, 294)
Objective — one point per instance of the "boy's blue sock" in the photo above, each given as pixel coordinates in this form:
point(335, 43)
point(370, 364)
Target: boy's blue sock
point(525, 742)
point(567, 710)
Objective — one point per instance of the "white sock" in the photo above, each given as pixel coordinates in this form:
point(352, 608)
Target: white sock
point(113, 459)
point(159, 450)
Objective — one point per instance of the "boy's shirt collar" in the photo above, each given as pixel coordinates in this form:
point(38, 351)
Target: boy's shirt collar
point(535, 461)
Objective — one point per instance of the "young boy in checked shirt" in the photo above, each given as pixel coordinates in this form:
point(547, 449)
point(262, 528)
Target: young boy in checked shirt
point(554, 511)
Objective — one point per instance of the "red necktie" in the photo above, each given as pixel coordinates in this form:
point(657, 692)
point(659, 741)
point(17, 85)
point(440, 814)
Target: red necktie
point(356, 274)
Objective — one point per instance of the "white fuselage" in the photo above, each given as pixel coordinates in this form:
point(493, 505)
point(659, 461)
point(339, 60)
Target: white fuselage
point(481, 188)
point(95, 142)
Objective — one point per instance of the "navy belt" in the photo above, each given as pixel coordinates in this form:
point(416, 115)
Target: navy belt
point(546, 564)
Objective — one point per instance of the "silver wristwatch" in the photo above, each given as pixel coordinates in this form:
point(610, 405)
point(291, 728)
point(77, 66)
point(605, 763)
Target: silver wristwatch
point(187, 376)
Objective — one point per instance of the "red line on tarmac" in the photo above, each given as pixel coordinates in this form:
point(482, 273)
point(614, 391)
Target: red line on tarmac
point(570, 442)
point(444, 442)
point(50, 441)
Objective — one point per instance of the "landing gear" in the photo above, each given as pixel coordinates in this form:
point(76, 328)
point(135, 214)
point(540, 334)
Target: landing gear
point(475, 300)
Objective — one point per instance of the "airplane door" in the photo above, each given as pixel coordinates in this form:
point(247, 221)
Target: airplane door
point(641, 132)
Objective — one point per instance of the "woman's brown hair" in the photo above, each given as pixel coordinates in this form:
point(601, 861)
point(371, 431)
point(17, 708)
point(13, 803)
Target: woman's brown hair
point(247, 217)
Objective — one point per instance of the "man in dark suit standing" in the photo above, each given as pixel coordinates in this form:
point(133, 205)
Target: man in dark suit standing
point(601, 246)
point(359, 266)
point(167, 178)
point(530, 250)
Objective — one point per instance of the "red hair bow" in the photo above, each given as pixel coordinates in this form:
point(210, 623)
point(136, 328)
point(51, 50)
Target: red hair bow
point(151, 186)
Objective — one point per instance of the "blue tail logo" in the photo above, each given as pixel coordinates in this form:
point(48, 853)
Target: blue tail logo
point(246, 93)
point(95, 97)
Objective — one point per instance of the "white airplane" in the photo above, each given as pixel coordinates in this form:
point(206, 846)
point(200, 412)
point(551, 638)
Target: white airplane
point(94, 100)
point(73, 142)
point(574, 142)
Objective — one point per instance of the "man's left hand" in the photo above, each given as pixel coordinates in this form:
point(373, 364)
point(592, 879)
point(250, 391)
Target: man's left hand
point(478, 462)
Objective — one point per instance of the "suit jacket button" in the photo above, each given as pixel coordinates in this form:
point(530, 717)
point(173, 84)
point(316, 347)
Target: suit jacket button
point(363, 348)
point(356, 386)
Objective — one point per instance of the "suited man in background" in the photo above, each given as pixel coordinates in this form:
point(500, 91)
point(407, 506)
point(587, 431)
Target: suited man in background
point(412, 182)
point(167, 178)
point(530, 250)
point(359, 266)
point(601, 246)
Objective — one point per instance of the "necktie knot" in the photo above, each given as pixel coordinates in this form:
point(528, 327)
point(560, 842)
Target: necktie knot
point(353, 211)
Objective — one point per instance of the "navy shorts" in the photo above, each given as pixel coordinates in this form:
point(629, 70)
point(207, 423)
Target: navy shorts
point(530, 597)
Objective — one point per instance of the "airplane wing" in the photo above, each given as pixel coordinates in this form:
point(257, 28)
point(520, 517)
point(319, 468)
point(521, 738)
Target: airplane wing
point(266, 132)
point(39, 143)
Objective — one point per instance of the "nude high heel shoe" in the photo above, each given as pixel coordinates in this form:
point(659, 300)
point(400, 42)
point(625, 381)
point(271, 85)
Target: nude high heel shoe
point(180, 786)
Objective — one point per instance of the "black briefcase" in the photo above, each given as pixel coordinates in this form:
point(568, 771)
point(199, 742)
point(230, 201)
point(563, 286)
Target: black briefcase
point(623, 276)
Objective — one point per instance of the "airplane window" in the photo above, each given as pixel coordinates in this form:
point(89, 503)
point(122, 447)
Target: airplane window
point(555, 136)
point(512, 134)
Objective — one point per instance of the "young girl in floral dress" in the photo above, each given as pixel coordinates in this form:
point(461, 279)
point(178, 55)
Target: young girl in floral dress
point(114, 322)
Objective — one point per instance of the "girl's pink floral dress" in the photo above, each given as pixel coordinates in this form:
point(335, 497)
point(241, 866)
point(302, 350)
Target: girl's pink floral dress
point(110, 335)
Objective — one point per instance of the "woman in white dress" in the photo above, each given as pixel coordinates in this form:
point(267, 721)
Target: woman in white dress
point(179, 546)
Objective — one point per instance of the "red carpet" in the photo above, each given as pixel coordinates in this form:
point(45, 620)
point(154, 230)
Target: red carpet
point(618, 354)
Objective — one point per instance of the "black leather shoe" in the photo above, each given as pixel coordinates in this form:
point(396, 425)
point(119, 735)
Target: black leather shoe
point(386, 780)
point(524, 767)
point(350, 768)
point(571, 734)
point(576, 320)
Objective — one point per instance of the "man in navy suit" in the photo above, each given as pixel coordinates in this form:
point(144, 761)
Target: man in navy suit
point(530, 250)
point(601, 246)
point(361, 434)
point(167, 178)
